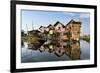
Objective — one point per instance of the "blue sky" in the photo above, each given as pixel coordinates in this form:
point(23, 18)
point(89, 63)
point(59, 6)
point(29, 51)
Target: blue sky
point(44, 18)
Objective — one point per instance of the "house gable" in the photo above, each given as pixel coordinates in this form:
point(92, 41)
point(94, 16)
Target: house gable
point(58, 26)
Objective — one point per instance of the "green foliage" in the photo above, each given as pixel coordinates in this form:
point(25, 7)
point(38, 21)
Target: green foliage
point(86, 38)
point(31, 39)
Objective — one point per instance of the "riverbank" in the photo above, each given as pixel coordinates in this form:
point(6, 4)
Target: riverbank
point(85, 38)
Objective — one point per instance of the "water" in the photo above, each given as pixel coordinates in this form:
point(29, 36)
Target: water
point(63, 51)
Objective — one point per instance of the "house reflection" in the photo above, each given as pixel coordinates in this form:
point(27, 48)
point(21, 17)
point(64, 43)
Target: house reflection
point(71, 49)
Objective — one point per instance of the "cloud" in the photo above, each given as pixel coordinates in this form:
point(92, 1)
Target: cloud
point(79, 15)
point(69, 13)
point(84, 15)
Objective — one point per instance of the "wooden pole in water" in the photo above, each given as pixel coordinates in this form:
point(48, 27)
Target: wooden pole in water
point(27, 29)
point(32, 25)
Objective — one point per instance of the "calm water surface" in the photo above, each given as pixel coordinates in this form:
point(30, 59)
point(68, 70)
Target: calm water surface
point(62, 52)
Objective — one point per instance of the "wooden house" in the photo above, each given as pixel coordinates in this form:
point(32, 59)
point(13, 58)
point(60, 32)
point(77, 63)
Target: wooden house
point(42, 29)
point(73, 28)
point(59, 27)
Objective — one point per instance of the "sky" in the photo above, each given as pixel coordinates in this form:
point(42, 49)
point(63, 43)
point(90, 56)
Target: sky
point(34, 19)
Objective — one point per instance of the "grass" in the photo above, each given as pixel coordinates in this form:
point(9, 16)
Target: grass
point(33, 40)
point(86, 38)
point(30, 39)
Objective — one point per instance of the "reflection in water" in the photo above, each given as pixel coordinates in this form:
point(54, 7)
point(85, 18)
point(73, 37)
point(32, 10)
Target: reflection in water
point(75, 51)
point(54, 51)
point(72, 50)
